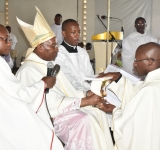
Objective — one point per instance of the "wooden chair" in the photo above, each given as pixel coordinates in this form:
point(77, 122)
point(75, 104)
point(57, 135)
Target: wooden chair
point(14, 54)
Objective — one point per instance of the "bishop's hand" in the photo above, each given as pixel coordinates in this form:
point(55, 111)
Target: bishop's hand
point(92, 100)
point(50, 81)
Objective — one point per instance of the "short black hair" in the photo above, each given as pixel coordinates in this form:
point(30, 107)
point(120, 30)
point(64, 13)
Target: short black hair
point(140, 18)
point(88, 44)
point(66, 22)
point(8, 27)
point(58, 15)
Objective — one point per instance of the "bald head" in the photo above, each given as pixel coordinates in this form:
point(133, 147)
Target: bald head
point(3, 31)
point(147, 58)
point(2, 28)
point(151, 49)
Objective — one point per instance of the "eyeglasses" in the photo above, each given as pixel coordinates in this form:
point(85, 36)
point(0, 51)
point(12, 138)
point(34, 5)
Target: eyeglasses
point(146, 59)
point(141, 24)
point(53, 46)
point(6, 40)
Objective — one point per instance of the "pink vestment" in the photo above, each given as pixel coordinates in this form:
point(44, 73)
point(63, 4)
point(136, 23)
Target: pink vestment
point(73, 128)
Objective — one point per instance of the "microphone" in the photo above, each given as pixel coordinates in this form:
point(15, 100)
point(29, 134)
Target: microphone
point(55, 70)
point(49, 71)
point(52, 71)
point(105, 17)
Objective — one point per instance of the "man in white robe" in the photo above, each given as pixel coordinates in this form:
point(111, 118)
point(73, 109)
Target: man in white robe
point(12, 37)
point(82, 128)
point(14, 42)
point(133, 41)
point(25, 123)
point(74, 60)
point(136, 123)
point(57, 28)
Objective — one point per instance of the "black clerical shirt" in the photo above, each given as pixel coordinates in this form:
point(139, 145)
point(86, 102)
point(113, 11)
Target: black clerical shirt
point(70, 49)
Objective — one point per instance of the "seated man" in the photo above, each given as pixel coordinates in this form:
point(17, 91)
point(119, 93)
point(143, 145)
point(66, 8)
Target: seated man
point(78, 127)
point(137, 124)
point(25, 123)
point(73, 59)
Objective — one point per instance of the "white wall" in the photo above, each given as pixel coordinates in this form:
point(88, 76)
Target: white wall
point(25, 10)
point(2, 18)
point(126, 10)
point(2, 12)
point(156, 18)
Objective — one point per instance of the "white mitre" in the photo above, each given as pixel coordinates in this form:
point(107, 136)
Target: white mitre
point(37, 33)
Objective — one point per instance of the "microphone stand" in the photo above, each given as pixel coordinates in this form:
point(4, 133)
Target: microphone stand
point(113, 38)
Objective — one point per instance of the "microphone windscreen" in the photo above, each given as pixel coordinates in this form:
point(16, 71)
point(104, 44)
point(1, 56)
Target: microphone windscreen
point(55, 70)
point(49, 68)
point(49, 73)
point(103, 17)
point(50, 65)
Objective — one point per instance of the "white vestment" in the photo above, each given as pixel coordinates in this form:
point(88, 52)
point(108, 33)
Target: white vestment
point(14, 41)
point(76, 66)
point(136, 124)
point(64, 102)
point(57, 29)
point(130, 45)
point(8, 60)
point(24, 120)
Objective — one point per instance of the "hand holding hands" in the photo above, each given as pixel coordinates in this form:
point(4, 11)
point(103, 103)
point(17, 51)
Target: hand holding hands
point(114, 76)
point(92, 100)
point(108, 108)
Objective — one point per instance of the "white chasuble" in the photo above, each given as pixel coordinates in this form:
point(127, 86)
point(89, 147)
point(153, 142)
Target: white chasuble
point(136, 124)
point(64, 106)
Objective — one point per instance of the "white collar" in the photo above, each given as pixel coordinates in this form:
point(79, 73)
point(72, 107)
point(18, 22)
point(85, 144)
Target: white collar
point(70, 45)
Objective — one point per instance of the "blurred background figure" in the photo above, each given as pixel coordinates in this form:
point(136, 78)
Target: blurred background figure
point(91, 54)
point(12, 37)
point(81, 44)
point(133, 41)
point(57, 28)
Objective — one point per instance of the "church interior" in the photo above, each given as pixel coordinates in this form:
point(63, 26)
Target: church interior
point(82, 74)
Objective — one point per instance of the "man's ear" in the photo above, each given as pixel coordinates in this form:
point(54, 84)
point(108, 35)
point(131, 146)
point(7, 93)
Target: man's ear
point(40, 47)
point(64, 34)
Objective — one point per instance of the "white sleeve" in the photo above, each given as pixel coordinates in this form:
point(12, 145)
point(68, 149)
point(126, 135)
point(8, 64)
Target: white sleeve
point(127, 56)
point(57, 102)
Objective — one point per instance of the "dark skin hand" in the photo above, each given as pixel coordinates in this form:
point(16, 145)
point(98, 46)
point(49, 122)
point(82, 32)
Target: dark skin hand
point(108, 108)
point(92, 100)
point(50, 81)
point(89, 93)
point(114, 76)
